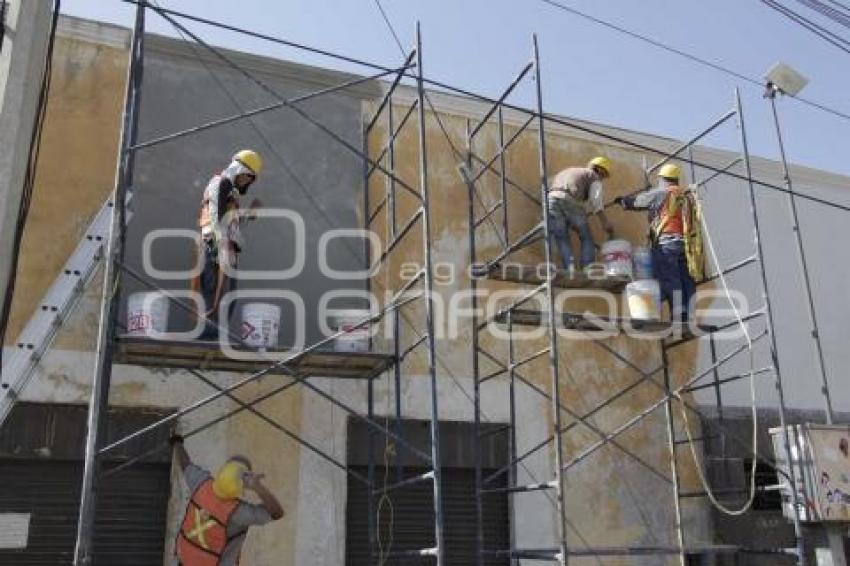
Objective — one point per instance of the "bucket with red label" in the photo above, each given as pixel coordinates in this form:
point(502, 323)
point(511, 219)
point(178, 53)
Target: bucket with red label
point(617, 255)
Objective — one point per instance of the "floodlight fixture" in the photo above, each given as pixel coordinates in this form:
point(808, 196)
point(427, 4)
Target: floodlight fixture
point(783, 78)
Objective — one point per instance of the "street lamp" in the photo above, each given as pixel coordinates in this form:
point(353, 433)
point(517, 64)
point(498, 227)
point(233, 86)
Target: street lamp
point(781, 78)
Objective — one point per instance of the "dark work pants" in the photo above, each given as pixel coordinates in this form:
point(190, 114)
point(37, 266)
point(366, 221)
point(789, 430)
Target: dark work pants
point(208, 283)
point(671, 269)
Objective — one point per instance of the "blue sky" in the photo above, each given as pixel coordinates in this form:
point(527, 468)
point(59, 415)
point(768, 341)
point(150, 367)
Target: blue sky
point(589, 72)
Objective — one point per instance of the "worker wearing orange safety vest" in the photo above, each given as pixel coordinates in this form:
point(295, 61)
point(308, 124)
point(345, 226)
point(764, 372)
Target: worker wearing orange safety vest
point(221, 239)
point(216, 521)
point(675, 238)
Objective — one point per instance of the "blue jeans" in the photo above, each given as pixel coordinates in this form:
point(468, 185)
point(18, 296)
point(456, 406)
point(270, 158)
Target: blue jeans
point(562, 218)
point(671, 269)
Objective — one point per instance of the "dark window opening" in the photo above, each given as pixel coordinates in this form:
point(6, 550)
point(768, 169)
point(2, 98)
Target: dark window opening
point(411, 521)
point(765, 477)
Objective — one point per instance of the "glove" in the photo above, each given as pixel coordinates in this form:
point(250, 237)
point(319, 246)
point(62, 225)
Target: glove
point(175, 438)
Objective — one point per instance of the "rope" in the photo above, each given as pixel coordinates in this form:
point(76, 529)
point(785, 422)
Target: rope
point(691, 445)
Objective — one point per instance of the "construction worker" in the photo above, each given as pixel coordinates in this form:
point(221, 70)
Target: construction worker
point(575, 193)
point(216, 521)
point(675, 238)
point(221, 239)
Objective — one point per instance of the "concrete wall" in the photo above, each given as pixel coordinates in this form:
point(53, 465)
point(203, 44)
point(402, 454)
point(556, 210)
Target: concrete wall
point(612, 500)
point(24, 45)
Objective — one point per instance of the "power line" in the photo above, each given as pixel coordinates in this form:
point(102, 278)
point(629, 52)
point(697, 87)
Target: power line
point(810, 25)
point(694, 58)
point(833, 14)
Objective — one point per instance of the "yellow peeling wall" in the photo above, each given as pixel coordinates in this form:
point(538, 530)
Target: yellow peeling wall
point(75, 171)
point(75, 175)
point(611, 500)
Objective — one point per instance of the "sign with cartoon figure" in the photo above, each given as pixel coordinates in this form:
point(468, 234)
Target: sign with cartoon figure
point(830, 451)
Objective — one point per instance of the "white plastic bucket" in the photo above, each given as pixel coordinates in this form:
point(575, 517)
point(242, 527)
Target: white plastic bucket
point(644, 299)
point(147, 314)
point(260, 325)
point(357, 339)
point(617, 255)
point(643, 263)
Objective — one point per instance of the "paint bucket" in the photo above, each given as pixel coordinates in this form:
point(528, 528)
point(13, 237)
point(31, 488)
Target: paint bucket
point(147, 314)
point(644, 299)
point(643, 263)
point(356, 340)
point(260, 325)
point(617, 255)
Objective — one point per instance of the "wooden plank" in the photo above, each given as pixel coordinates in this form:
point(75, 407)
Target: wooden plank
point(209, 356)
point(563, 278)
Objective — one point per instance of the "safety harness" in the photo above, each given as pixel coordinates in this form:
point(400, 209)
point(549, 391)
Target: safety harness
point(679, 215)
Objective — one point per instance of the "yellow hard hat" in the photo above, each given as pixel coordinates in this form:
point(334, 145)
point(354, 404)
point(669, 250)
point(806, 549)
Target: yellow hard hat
point(250, 159)
point(601, 162)
point(228, 482)
point(670, 171)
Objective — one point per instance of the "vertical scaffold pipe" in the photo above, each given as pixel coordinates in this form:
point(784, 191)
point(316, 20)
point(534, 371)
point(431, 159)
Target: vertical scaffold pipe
point(674, 461)
point(114, 248)
point(476, 370)
point(798, 529)
point(440, 548)
point(550, 305)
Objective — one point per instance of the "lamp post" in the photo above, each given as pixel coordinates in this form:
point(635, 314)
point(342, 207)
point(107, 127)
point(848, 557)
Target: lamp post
point(782, 79)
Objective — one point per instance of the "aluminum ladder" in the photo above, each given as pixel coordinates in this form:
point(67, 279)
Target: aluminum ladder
point(55, 307)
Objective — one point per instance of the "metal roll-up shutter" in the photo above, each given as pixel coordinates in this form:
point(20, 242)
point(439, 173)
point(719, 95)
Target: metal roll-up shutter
point(413, 518)
point(130, 520)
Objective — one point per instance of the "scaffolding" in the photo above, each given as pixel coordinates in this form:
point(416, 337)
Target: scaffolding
point(498, 268)
point(112, 347)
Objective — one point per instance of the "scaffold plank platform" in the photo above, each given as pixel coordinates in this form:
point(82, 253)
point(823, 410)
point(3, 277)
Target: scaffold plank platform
point(201, 355)
point(564, 278)
point(597, 323)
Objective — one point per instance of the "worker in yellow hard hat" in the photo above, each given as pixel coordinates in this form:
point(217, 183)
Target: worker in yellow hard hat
point(217, 519)
point(221, 239)
point(675, 238)
point(574, 194)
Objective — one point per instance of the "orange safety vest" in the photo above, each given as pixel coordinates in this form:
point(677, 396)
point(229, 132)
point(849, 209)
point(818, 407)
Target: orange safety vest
point(203, 534)
point(680, 215)
point(668, 220)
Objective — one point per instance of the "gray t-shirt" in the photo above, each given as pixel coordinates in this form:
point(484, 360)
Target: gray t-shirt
point(245, 515)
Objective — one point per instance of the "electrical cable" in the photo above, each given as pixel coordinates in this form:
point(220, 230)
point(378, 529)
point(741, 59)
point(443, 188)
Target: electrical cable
point(693, 58)
point(29, 179)
point(739, 317)
point(833, 14)
point(808, 24)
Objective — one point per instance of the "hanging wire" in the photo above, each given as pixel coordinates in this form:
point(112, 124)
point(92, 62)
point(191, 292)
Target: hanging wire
point(837, 16)
point(693, 58)
point(810, 25)
point(752, 374)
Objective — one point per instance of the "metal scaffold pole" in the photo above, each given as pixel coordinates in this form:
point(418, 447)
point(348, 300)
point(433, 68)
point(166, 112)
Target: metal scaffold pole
point(801, 257)
point(552, 328)
point(440, 549)
point(798, 529)
point(473, 283)
point(674, 461)
point(114, 250)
